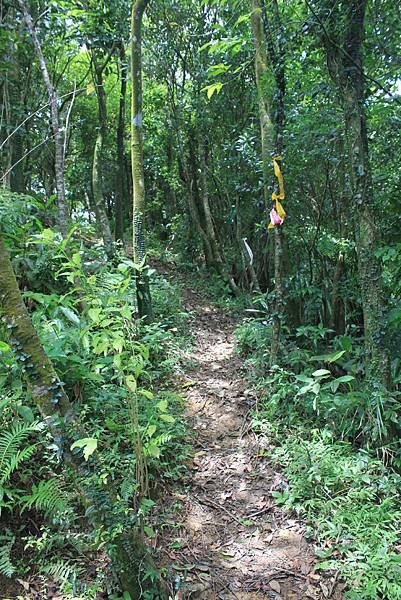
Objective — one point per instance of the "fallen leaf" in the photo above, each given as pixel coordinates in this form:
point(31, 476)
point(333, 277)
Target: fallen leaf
point(24, 584)
point(275, 586)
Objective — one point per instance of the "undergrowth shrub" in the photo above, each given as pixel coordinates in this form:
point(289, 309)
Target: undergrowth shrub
point(111, 365)
point(353, 502)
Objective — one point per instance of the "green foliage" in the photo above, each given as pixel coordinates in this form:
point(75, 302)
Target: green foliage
point(354, 505)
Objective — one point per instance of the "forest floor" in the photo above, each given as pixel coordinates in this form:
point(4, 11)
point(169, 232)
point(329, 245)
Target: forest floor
point(222, 533)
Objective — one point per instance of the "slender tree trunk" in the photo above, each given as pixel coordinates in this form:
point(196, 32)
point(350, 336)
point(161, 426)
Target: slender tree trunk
point(209, 225)
point(98, 198)
point(97, 188)
point(262, 71)
point(138, 177)
point(336, 301)
point(248, 264)
point(269, 64)
point(121, 177)
point(55, 122)
point(345, 66)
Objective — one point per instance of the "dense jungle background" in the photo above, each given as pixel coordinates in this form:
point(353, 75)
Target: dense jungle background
point(200, 267)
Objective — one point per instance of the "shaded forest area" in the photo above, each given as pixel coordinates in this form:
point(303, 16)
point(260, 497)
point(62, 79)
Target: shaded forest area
point(178, 180)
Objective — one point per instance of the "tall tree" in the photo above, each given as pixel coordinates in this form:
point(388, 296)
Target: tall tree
point(97, 188)
point(138, 175)
point(270, 69)
point(120, 173)
point(342, 30)
point(55, 121)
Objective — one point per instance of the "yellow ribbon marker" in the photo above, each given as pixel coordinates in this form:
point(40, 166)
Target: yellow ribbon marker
point(277, 197)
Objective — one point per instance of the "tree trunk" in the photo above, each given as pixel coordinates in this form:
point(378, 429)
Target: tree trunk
point(247, 262)
point(337, 323)
point(97, 188)
point(55, 121)
point(121, 177)
point(138, 178)
point(269, 62)
point(45, 386)
point(264, 95)
point(209, 225)
point(346, 70)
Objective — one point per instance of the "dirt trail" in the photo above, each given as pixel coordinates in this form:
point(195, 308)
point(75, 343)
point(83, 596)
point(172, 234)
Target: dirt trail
point(229, 540)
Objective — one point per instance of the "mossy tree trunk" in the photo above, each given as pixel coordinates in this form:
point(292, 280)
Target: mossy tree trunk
point(270, 81)
point(55, 121)
point(45, 387)
point(342, 36)
point(138, 177)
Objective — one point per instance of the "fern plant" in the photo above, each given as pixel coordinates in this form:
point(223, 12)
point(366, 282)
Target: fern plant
point(14, 450)
point(46, 496)
point(6, 566)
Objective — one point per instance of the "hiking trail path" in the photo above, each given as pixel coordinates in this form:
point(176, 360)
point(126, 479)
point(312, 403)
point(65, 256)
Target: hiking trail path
point(223, 535)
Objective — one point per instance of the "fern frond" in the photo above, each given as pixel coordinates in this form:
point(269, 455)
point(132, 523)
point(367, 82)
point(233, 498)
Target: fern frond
point(46, 496)
point(11, 454)
point(6, 567)
point(63, 571)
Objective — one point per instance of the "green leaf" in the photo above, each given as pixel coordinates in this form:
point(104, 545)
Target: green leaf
point(321, 373)
point(4, 348)
point(329, 357)
point(151, 430)
point(94, 314)
point(149, 531)
point(154, 450)
point(162, 405)
point(316, 388)
point(76, 259)
point(344, 378)
point(304, 378)
point(70, 315)
point(167, 418)
point(130, 382)
point(211, 89)
point(126, 312)
point(89, 446)
point(147, 393)
point(26, 413)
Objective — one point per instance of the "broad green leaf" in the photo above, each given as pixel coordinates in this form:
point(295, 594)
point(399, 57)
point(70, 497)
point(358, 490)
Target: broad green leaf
point(153, 450)
point(26, 413)
point(344, 378)
point(321, 373)
point(130, 382)
point(316, 388)
point(211, 89)
point(162, 405)
point(167, 418)
point(147, 393)
point(94, 314)
point(151, 430)
point(304, 378)
point(4, 348)
point(89, 446)
point(329, 357)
